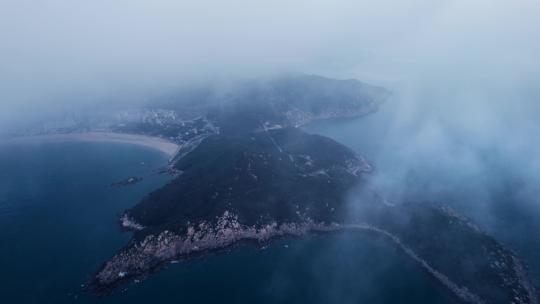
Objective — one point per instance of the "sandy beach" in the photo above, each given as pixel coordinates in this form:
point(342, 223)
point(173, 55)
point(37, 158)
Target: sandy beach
point(157, 143)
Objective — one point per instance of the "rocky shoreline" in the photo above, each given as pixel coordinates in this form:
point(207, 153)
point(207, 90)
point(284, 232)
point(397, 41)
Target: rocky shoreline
point(155, 251)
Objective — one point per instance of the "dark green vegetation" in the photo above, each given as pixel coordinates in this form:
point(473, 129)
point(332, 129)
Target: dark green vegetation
point(280, 175)
point(257, 164)
point(288, 100)
point(294, 100)
point(455, 247)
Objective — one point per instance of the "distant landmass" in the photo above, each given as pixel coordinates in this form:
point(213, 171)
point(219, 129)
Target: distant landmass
point(246, 172)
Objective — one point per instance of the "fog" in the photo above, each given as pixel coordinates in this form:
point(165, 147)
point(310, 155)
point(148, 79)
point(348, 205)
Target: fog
point(460, 129)
point(65, 53)
point(58, 54)
point(464, 74)
point(461, 71)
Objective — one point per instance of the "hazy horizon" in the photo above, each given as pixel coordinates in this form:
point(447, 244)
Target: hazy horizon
point(60, 54)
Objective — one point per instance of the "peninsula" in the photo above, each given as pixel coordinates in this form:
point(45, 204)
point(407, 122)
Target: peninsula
point(248, 173)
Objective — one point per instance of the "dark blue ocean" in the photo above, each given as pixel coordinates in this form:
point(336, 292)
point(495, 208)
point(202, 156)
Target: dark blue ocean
point(58, 223)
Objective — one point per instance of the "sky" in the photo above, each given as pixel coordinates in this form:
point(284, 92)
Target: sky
point(61, 54)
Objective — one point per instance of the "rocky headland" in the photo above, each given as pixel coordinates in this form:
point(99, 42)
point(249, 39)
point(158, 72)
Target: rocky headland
point(247, 173)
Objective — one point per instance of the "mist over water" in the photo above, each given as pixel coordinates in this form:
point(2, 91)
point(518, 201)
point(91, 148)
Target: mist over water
point(465, 76)
point(460, 129)
point(485, 166)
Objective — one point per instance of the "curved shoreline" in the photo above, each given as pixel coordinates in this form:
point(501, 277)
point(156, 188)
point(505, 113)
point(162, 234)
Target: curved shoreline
point(157, 143)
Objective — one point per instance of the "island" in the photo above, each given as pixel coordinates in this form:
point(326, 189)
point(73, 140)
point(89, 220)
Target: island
point(245, 172)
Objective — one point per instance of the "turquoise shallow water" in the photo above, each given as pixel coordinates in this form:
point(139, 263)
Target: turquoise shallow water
point(58, 223)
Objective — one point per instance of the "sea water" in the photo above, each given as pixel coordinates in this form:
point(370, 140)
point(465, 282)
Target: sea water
point(58, 223)
point(418, 161)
